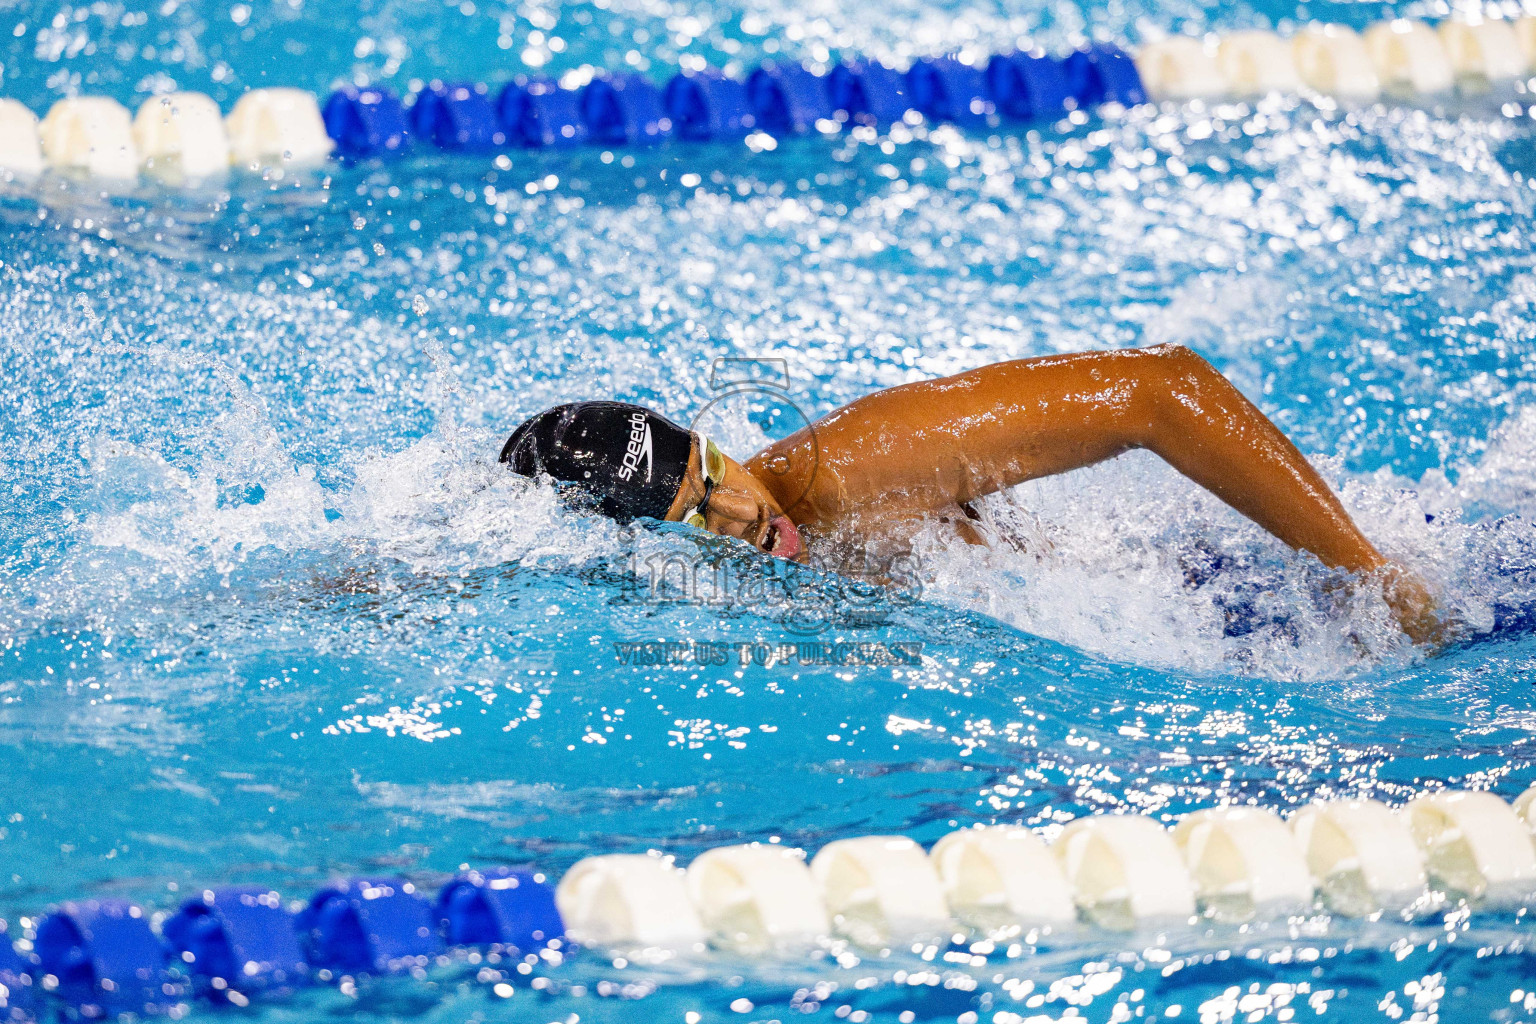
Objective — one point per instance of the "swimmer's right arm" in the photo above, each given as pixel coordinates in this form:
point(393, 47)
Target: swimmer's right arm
point(933, 445)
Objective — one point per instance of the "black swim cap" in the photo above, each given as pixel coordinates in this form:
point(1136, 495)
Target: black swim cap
point(622, 460)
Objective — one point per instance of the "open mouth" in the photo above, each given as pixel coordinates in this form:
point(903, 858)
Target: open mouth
point(781, 539)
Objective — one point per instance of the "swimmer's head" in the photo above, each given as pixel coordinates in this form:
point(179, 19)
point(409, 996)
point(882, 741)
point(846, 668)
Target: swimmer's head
point(624, 461)
point(628, 462)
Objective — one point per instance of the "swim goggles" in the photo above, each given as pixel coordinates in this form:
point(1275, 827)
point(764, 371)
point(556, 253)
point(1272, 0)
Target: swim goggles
point(712, 462)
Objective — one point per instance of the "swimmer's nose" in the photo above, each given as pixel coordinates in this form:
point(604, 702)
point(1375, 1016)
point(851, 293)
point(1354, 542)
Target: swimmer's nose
point(735, 514)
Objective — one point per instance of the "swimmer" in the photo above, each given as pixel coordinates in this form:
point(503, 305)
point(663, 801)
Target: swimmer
point(931, 448)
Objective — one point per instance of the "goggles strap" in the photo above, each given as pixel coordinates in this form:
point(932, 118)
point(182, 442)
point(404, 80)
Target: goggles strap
point(702, 508)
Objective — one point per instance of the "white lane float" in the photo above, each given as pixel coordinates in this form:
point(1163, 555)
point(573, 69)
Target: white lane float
point(1525, 808)
point(1525, 33)
point(90, 134)
point(1125, 870)
point(1361, 854)
point(882, 892)
point(1257, 63)
point(1409, 58)
point(1333, 59)
point(1474, 844)
point(1180, 68)
point(758, 897)
point(1483, 53)
point(270, 126)
point(182, 132)
point(21, 151)
point(1003, 881)
point(1244, 862)
point(630, 902)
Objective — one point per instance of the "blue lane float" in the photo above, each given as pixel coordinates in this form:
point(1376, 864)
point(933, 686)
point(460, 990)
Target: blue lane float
point(106, 960)
point(945, 89)
point(365, 123)
point(457, 116)
point(371, 122)
point(706, 106)
point(869, 93)
point(18, 984)
point(509, 907)
point(1104, 73)
point(624, 110)
point(237, 940)
point(538, 114)
point(788, 99)
point(369, 925)
point(1028, 86)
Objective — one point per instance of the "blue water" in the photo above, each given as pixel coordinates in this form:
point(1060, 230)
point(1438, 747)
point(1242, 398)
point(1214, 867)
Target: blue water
point(269, 611)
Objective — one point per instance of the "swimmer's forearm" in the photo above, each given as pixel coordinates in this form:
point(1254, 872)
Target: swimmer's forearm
point(1206, 429)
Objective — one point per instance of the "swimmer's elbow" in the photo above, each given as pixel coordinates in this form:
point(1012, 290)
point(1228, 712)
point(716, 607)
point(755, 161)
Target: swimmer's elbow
point(1164, 393)
point(1181, 363)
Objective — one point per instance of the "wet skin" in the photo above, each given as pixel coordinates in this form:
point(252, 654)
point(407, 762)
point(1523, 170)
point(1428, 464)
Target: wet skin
point(929, 448)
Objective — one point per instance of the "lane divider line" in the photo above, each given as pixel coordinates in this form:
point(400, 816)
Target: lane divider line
point(985, 884)
point(175, 135)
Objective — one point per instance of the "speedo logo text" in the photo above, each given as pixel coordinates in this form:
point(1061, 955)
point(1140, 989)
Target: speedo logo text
point(639, 448)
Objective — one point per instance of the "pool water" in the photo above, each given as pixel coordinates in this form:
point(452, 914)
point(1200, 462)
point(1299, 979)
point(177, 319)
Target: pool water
point(270, 612)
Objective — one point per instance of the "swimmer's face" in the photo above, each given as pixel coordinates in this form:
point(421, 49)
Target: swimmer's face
point(738, 504)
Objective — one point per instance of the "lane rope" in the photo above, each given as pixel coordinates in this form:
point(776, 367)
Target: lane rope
point(181, 135)
point(978, 888)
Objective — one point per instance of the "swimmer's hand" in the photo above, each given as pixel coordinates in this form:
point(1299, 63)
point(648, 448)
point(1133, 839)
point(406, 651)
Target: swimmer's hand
point(1415, 607)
